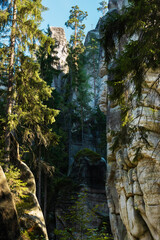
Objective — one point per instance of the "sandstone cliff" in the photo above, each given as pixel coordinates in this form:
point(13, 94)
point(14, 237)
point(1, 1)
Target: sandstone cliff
point(61, 49)
point(133, 185)
point(9, 229)
point(20, 214)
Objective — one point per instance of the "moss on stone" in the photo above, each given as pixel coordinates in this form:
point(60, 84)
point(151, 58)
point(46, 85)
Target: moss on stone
point(86, 152)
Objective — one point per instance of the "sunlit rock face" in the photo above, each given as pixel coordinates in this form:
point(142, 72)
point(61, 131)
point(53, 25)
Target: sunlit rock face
point(58, 34)
point(20, 215)
point(9, 227)
point(133, 179)
point(31, 218)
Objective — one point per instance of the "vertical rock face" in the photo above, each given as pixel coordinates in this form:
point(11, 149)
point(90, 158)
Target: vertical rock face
point(92, 54)
point(133, 181)
point(89, 206)
point(62, 52)
point(9, 227)
point(30, 215)
point(20, 216)
point(60, 82)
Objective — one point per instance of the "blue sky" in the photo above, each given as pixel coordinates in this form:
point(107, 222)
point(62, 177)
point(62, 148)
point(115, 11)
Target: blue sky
point(58, 13)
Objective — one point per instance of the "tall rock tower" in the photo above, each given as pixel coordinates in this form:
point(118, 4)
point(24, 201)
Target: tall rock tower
point(62, 53)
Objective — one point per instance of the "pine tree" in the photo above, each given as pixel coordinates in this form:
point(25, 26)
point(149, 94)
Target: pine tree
point(76, 48)
point(83, 109)
point(26, 91)
point(75, 23)
point(47, 57)
point(76, 40)
point(77, 221)
point(103, 7)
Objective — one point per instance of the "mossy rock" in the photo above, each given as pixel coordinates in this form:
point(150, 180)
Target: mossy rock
point(86, 152)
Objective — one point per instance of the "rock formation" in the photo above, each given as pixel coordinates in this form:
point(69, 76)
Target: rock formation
point(9, 225)
point(30, 214)
point(58, 35)
point(133, 183)
point(88, 202)
point(20, 213)
point(95, 86)
point(92, 67)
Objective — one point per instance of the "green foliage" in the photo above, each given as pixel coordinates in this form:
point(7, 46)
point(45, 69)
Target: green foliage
point(75, 23)
point(103, 7)
point(93, 156)
point(17, 186)
point(30, 110)
point(30, 235)
point(46, 56)
point(77, 89)
point(83, 97)
point(29, 117)
point(98, 129)
point(25, 235)
point(78, 219)
point(139, 23)
point(92, 56)
point(131, 42)
point(24, 205)
point(63, 184)
point(92, 47)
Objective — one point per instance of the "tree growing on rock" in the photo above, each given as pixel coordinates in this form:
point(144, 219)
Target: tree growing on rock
point(103, 7)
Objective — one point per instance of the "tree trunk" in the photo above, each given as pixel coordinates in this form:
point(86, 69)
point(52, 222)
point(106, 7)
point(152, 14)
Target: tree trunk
point(10, 84)
point(70, 139)
point(70, 124)
point(94, 75)
point(45, 196)
point(82, 126)
point(75, 34)
point(39, 176)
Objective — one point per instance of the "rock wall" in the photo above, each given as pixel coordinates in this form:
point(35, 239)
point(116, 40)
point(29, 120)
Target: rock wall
point(62, 53)
point(92, 66)
point(9, 225)
point(30, 215)
point(133, 182)
point(91, 138)
point(21, 218)
point(87, 203)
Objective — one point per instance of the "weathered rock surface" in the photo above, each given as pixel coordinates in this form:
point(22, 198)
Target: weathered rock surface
point(92, 67)
point(89, 198)
point(30, 214)
point(95, 87)
point(9, 226)
point(22, 213)
point(133, 178)
point(58, 35)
